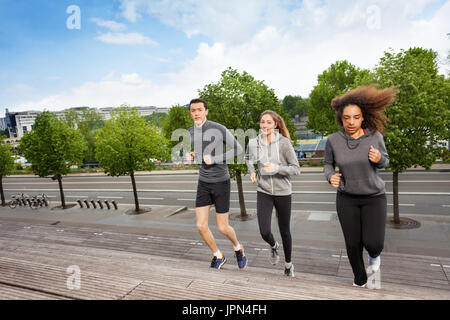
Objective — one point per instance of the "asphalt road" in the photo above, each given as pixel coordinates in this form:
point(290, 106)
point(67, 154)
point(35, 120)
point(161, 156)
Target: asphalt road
point(421, 192)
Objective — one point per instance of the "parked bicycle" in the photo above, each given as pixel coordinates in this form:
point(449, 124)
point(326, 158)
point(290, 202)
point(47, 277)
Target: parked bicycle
point(38, 201)
point(34, 202)
point(19, 200)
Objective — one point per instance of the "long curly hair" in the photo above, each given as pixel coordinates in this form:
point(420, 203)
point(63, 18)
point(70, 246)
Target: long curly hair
point(371, 100)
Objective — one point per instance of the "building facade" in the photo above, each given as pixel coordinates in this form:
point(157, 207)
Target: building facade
point(18, 123)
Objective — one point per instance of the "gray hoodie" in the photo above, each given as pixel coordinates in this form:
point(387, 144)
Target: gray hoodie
point(359, 174)
point(282, 154)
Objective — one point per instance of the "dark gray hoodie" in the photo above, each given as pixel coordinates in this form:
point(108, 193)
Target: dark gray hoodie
point(359, 174)
point(212, 139)
point(282, 154)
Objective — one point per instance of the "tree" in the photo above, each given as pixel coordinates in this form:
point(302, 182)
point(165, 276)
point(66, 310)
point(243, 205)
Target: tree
point(336, 80)
point(127, 144)
point(420, 117)
point(52, 147)
point(237, 102)
point(6, 166)
point(87, 122)
point(156, 118)
point(177, 118)
point(295, 105)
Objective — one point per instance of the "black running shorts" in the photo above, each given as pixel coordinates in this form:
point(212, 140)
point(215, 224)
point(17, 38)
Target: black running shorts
point(217, 193)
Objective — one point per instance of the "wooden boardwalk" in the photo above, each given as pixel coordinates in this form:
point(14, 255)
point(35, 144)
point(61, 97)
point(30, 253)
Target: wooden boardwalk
point(37, 261)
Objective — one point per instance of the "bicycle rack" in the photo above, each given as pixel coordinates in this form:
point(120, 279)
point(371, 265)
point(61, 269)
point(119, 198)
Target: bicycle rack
point(98, 204)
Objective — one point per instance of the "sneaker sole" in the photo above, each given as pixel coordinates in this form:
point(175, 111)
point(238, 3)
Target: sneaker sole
point(244, 267)
point(220, 265)
point(358, 286)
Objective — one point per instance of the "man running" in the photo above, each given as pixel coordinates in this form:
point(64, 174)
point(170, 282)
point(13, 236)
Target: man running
point(210, 140)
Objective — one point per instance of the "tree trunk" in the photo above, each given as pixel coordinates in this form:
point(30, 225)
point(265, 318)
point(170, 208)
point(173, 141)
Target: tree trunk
point(241, 194)
point(61, 192)
point(395, 193)
point(1, 191)
point(136, 201)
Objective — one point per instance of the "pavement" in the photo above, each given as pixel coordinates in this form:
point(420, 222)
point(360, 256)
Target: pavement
point(314, 234)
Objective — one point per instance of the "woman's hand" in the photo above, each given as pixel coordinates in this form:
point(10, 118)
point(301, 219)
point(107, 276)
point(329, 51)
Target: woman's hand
point(335, 179)
point(270, 167)
point(374, 155)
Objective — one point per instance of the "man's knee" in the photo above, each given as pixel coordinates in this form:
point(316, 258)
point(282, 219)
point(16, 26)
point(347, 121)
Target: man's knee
point(202, 227)
point(223, 228)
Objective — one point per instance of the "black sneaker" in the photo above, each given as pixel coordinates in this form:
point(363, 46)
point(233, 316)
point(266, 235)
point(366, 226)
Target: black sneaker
point(217, 263)
point(274, 257)
point(289, 272)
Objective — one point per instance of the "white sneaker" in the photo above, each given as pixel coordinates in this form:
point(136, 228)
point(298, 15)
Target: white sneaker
point(374, 263)
point(274, 257)
point(289, 272)
point(357, 285)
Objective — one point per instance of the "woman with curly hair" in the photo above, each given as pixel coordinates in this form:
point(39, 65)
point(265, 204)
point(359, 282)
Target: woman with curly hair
point(359, 151)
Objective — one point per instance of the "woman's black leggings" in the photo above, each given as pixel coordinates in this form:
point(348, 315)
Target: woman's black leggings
point(265, 204)
point(363, 222)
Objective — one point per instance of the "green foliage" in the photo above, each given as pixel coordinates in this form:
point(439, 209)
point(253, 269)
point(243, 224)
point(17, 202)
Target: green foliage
point(52, 147)
point(177, 118)
point(237, 102)
point(6, 159)
point(295, 105)
point(156, 119)
point(86, 122)
point(420, 116)
point(336, 80)
point(127, 143)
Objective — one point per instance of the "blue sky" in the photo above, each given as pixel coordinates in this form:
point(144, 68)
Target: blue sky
point(156, 52)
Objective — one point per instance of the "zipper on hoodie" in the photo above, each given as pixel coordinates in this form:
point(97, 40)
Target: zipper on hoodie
point(271, 182)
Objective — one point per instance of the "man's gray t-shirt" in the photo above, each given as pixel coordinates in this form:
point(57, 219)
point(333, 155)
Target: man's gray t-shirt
point(212, 139)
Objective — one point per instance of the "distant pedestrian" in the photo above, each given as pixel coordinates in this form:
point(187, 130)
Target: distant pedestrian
point(277, 161)
point(359, 151)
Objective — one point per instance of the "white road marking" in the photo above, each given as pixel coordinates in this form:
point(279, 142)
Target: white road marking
point(110, 197)
point(151, 198)
point(195, 182)
point(233, 191)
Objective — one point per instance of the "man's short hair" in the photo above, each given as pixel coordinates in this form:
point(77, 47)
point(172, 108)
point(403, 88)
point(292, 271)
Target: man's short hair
point(197, 100)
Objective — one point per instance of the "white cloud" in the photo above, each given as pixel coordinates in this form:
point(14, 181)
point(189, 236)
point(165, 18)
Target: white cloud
point(285, 44)
point(111, 25)
point(131, 38)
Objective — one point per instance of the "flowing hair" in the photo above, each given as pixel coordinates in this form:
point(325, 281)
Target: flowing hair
point(280, 125)
point(371, 100)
